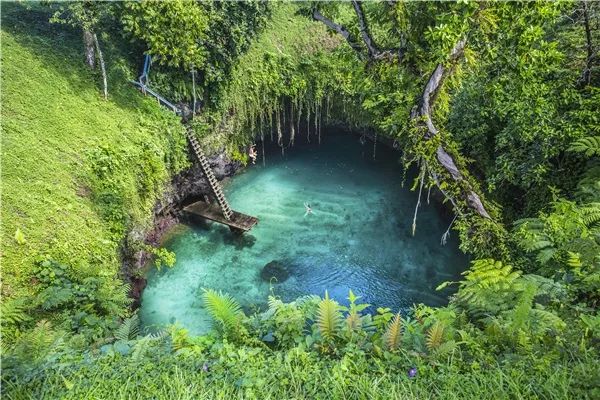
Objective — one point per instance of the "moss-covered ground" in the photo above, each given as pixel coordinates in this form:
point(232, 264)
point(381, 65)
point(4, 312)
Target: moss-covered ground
point(77, 171)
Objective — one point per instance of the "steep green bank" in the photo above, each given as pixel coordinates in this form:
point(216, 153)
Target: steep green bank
point(78, 172)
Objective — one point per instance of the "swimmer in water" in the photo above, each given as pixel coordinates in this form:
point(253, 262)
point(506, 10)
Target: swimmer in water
point(252, 153)
point(308, 209)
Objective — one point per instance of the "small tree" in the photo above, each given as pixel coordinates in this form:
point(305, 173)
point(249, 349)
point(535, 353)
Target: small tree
point(86, 15)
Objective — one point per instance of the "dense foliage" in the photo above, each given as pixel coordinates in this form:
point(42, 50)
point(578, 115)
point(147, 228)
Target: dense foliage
point(496, 103)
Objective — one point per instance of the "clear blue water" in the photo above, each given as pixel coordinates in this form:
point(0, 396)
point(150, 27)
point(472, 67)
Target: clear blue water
point(358, 237)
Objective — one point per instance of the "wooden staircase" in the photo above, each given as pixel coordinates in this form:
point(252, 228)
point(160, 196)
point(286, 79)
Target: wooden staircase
point(220, 212)
point(209, 174)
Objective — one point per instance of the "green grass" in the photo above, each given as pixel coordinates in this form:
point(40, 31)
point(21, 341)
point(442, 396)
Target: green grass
point(296, 374)
point(54, 122)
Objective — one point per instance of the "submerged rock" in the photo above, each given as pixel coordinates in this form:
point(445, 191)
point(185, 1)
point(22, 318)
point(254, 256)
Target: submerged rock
point(275, 269)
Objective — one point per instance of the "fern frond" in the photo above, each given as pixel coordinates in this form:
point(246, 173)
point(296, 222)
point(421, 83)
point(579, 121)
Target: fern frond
point(13, 312)
point(275, 304)
point(223, 308)
point(590, 214)
point(393, 333)
point(546, 286)
point(435, 336)
point(129, 329)
point(590, 146)
point(545, 255)
point(329, 317)
point(520, 314)
point(574, 260)
point(140, 348)
point(544, 321)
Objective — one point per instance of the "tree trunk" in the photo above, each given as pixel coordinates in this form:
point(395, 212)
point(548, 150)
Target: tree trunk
point(586, 77)
point(422, 114)
point(102, 67)
point(90, 54)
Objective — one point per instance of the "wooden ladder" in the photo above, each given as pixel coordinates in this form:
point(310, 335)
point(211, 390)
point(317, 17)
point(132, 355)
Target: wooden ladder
point(209, 174)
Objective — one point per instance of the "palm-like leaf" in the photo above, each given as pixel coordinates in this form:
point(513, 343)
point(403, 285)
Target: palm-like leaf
point(223, 308)
point(129, 329)
point(393, 333)
point(590, 214)
point(435, 336)
point(13, 312)
point(329, 317)
point(589, 146)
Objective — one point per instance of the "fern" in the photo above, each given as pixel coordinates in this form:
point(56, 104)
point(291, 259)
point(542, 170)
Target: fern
point(546, 286)
point(590, 214)
point(544, 321)
point(223, 309)
point(329, 317)
point(435, 336)
point(393, 333)
point(488, 287)
point(13, 312)
point(129, 329)
point(520, 314)
point(140, 348)
point(574, 260)
point(589, 146)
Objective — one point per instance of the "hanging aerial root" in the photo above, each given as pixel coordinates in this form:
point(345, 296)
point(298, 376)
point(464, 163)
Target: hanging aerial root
point(446, 234)
point(428, 193)
point(262, 138)
point(414, 224)
point(375, 146)
point(279, 132)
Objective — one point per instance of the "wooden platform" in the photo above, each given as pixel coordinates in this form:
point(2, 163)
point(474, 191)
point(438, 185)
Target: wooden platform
point(238, 221)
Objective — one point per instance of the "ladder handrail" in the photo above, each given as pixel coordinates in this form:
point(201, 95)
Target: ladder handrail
point(210, 176)
point(215, 187)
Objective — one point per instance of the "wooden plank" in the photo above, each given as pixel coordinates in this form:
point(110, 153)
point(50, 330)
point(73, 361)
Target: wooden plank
point(213, 212)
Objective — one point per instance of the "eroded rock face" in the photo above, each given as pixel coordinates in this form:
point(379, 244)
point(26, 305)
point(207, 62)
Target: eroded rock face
point(187, 186)
point(275, 272)
point(191, 183)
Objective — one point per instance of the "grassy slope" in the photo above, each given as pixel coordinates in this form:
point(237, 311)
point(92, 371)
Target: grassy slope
point(53, 118)
point(243, 373)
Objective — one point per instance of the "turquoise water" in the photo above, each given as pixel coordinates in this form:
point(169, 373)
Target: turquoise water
point(358, 237)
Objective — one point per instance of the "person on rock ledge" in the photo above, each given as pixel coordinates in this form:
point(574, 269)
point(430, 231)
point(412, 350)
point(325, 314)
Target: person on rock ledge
point(252, 153)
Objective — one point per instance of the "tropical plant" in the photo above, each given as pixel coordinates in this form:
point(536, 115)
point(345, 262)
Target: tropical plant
point(129, 328)
point(489, 286)
point(392, 337)
point(588, 146)
point(329, 318)
point(435, 336)
point(225, 311)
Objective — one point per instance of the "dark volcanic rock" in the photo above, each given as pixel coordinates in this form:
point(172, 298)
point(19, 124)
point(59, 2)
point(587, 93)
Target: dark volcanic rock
point(186, 187)
point(275, 269)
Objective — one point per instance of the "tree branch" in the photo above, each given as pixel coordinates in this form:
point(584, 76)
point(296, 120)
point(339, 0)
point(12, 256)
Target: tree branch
point(374, 52)
point(422, 114)
point(338, 28)
point(364, 29)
